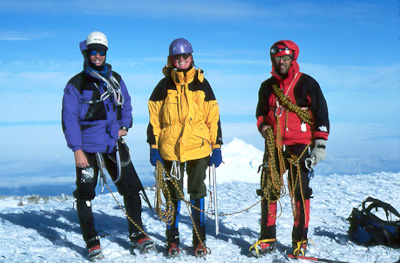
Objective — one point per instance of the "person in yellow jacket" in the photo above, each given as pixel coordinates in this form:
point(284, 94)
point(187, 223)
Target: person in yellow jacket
point(185, 131)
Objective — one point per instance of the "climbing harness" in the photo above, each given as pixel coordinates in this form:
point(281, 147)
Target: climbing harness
point(117, 161)
point(120, 163)
point(128, 157)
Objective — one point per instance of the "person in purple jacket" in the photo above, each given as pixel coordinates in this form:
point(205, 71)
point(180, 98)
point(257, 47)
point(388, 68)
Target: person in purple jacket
point(96, 113)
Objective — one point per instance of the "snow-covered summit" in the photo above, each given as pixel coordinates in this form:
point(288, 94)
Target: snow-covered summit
point(241, 162)
point(46, 229)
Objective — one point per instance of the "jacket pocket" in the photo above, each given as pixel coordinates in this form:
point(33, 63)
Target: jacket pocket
point(93, 133)
point(170, 108)
point(201, 136)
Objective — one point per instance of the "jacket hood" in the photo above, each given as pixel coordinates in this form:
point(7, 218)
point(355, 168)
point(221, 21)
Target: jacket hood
point(290, 45)
point(105, 71)
point(294, 68)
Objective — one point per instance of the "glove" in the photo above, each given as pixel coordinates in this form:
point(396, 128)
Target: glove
point(155, 156)
point(317, 154)
point(216, 157)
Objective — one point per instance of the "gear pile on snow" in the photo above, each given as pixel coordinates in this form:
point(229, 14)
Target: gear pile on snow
point(367, 229)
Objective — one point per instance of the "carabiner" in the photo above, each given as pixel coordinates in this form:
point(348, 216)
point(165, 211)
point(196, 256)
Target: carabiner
point(175, 170)
point(280, 112)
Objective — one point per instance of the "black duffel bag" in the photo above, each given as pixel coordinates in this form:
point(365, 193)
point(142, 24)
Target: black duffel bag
point(368, 229)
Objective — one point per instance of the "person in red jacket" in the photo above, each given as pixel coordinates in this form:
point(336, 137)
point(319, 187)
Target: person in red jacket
point(292, 116)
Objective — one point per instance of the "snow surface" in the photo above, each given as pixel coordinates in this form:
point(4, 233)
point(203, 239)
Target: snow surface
point(46, 229)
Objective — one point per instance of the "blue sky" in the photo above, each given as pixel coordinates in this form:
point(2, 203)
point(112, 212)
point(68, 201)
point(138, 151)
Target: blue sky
point(350, 47)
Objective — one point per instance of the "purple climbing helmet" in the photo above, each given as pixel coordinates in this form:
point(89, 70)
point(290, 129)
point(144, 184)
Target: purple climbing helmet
point(180, 46)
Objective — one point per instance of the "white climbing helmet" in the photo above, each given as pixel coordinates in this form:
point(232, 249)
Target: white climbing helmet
point(97, 38)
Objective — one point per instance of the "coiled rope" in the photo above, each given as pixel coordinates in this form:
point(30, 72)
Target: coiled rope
point(167, 214)
point(274, 167)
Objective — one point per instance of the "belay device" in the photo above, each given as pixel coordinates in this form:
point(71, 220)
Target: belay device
point(368, 229)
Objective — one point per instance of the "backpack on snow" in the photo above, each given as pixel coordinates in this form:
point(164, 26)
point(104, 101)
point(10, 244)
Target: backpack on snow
point(368, 229)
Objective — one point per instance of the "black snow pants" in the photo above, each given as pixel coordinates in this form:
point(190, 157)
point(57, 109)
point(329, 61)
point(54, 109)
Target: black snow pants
point(302, 195)
point(128, 186)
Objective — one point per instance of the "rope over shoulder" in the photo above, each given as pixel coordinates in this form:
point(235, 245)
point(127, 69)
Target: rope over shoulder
point(304, 115)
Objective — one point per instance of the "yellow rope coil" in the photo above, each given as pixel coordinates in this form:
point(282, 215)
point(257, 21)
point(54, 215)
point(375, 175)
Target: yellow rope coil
point(272, 181)
point(304, 115)
point(166, 215)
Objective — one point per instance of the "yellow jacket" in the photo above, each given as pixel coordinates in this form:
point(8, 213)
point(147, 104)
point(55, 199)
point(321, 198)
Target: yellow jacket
point(184, 117)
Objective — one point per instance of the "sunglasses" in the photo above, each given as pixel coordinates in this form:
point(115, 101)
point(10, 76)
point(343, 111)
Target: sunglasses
point(285, 58)
point(95, 52)
point(184, 56)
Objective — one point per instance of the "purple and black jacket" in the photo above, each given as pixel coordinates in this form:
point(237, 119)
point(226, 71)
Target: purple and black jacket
point(89, 121)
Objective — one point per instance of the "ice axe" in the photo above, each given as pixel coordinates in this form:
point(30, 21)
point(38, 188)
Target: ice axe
point(213, 182)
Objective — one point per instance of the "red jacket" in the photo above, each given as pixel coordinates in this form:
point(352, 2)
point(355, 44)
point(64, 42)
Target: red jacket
point(302, 90)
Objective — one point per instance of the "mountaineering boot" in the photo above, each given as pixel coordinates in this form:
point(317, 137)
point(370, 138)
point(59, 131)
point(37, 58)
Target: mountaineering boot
point(267, 240)
point(300, 227)
point(199, 228)
point(200, 250)
point(172, 232)
point(262, 247)
point(299, 248)
point(173, 242)
point(95, 253)
point(173, 249)
point(141, 242)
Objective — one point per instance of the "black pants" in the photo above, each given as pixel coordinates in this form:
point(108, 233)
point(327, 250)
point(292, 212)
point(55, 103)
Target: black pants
point(128, 186)
point(303, 183)
point(302, 191)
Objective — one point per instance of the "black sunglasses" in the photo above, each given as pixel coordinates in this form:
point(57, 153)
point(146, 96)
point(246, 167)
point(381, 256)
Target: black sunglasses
point(184, 56)
point(285, 58)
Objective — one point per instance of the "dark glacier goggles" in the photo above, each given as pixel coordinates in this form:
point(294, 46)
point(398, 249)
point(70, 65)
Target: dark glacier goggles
point(285, 58)
point(95, 52)
point(184, 56)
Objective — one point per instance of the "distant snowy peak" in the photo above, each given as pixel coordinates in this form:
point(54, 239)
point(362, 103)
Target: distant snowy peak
point(241, 162)
point(238, 147)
